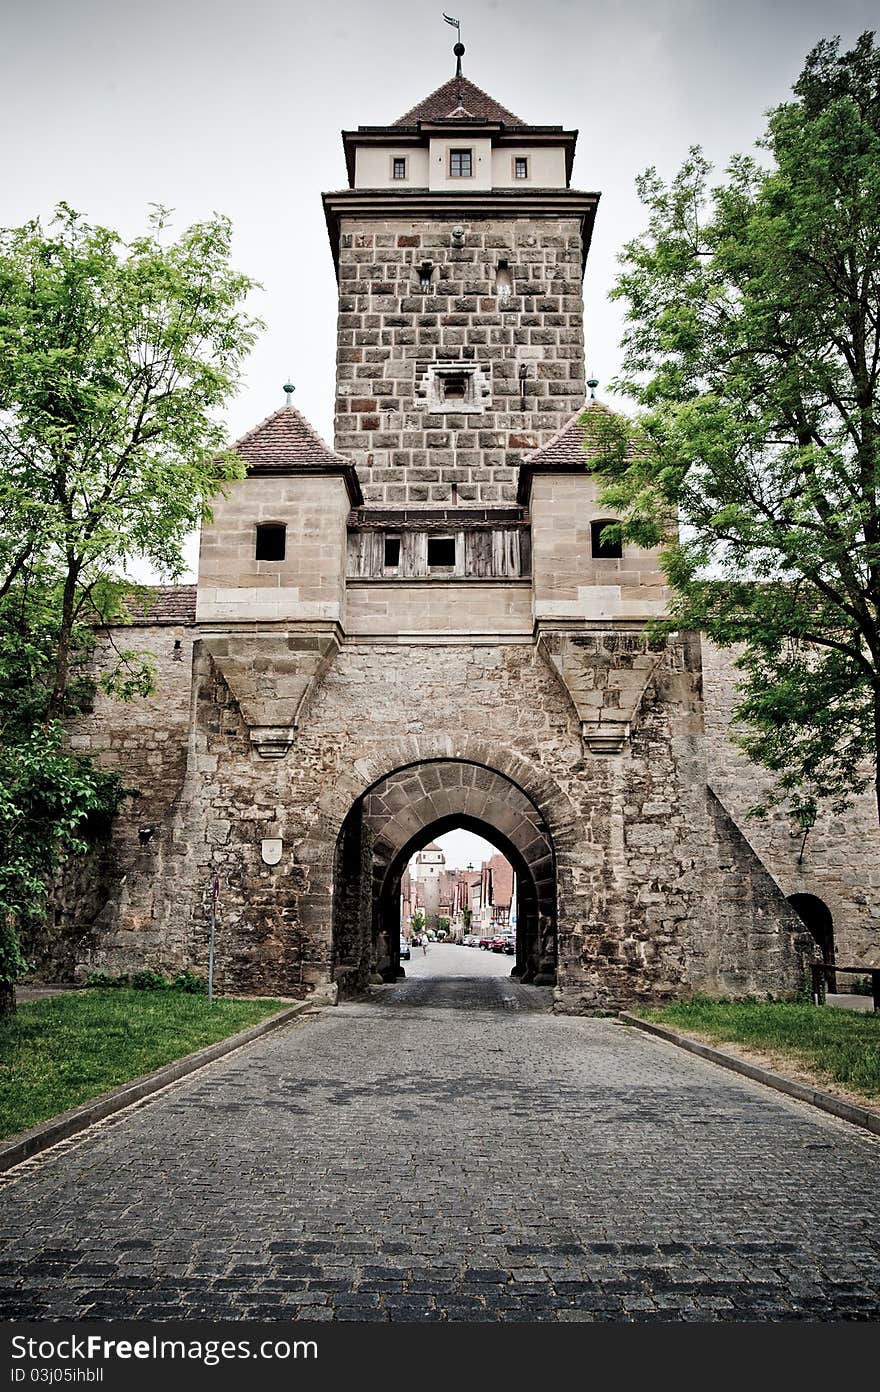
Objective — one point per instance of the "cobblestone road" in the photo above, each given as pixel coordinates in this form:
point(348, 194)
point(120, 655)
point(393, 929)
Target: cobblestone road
point(450, 1150)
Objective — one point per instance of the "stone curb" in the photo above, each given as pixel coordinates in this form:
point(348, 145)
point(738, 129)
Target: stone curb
point(60, 1128)
point(825, 1101)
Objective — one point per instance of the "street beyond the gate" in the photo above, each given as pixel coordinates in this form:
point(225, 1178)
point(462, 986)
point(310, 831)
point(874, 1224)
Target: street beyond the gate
point(449, 1149)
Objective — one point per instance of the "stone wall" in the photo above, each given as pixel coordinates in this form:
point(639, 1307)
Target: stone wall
point(636, 863)
point(839, 861)
point(309, 584)
point(114, 910)
point(390, 332)
point(569, 581)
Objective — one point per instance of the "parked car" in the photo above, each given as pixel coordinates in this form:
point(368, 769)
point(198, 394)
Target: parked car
point(404, 950)
point(485, 944)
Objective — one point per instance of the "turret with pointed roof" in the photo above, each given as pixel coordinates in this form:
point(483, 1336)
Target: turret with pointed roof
point(276, 548)
point(460, 248)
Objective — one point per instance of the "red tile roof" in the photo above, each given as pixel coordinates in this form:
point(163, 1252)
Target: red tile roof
point(568, 449)
point(568, 446)
point(459, 98)
point(162, 604)
point(285, 440)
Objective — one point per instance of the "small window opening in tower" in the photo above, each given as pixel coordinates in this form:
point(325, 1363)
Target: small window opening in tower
point(426, 273)
point(455, 386)
point(520, 167)
point(604, 550)
point(441, 553)
point(398, 167)
point(503, 283)
point(271, 541)
point(460, 164)
point(392, 553)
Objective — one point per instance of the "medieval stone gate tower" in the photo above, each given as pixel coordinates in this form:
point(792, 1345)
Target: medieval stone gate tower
point(424, 628)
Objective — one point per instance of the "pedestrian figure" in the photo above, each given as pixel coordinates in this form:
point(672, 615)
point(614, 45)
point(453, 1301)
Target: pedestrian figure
point(424, 947)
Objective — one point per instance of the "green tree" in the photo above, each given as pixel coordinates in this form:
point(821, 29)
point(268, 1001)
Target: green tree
point(114, 359)
point(752, 348)
point(417, 923)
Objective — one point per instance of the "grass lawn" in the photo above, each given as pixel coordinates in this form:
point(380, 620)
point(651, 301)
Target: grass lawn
point(833, 1046)
point(61, 1051)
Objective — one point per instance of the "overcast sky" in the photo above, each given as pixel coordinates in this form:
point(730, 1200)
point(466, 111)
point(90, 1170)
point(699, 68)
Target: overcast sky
point(207, 105)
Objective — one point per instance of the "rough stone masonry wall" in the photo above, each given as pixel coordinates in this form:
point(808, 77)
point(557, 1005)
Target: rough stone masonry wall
point(112, 910)
point(840, 860)
point(389, 331)
point(636, 864)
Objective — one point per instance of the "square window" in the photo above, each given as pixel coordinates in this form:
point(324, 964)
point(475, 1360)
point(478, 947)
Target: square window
point(271, 541)
point(398, 168)
point(460, 164)
point(520, 168)
point(392, 553)
point(441, 553)
point(455, 386)
point(604, 550)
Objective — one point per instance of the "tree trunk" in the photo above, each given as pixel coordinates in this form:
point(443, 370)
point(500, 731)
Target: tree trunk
point(876, 694)
point(7, 998)
point(65, 637)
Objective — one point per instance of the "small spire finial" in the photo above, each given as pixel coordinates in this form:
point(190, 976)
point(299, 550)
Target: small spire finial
point(289, 389)
point(458, 47)
point(592, 383)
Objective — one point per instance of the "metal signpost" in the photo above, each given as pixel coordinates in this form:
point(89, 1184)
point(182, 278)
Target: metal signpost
point(215, 895)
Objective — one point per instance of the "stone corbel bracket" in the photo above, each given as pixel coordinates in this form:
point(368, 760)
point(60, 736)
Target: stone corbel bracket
point(605, 676)
point(274, 679)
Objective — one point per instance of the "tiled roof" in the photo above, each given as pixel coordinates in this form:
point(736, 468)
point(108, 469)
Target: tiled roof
point(162, 604)
point(459, 98)
point(568, 446)
point(285, 440)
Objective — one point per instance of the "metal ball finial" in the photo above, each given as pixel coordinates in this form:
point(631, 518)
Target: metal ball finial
point(458, 50)
point(289, 389)
point(592, 383)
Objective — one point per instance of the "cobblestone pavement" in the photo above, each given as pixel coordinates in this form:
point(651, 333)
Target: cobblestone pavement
point(450, 1150)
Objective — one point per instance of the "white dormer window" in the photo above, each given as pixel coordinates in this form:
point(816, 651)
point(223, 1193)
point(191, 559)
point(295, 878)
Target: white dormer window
point(520, 167)
point(461, 164)
point(398, 167)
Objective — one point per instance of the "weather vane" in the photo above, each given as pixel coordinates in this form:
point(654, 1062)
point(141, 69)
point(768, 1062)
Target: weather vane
point(458, 48)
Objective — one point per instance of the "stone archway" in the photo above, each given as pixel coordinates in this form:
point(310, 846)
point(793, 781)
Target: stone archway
point(815, 913)
point(404, 810)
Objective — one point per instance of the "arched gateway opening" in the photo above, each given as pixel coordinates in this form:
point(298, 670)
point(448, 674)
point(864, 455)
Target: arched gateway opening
point(816, 914)
point(401, 814)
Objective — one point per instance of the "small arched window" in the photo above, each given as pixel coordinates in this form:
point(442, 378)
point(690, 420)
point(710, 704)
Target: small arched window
point(604, 550)
point(271, 541)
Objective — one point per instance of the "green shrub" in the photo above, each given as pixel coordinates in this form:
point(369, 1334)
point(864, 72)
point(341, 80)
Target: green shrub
point(189, 982)
point(149, 980)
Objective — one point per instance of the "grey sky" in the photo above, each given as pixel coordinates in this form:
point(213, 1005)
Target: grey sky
point(212, 105)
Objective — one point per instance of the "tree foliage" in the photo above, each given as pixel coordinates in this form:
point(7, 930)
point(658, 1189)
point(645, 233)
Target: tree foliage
point(114, 360)
point(752, 348)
